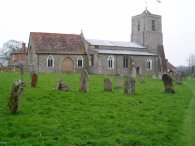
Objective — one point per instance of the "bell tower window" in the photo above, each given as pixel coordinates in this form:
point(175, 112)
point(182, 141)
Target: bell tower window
point(153, 25)
point(138, 26)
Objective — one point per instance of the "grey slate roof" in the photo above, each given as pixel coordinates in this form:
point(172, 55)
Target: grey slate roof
point(125, 52)
point(114, 43)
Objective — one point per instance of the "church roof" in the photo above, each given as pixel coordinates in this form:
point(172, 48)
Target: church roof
point(114, 43)
point(124, 52)
point(57, 43)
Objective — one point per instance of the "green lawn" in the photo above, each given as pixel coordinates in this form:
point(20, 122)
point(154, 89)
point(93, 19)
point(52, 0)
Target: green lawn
point(49, 117)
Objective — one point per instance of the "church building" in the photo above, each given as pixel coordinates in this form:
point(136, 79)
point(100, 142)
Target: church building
point(71, 53)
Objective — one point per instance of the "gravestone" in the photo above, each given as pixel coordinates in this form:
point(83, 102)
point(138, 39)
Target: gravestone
point(160, 75)
point(62, 86)
point(107, 84)
point(143, 75)
point(142, 78)
point(84, 81)
point(16, 93)
point(133, 72)
point(168, 83)
point(118, 81)
point(178, 78)
point(154, 76)
point(34, 79)
point(22, 72)
point(129, 85)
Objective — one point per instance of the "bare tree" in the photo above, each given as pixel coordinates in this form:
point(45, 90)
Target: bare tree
point(191, 64)
point(10, 47)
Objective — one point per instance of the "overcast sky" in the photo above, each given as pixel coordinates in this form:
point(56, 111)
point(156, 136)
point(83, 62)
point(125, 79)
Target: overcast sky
point(100, 19)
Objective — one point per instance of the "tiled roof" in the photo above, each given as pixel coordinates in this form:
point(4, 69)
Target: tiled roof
point(171, 67)
point(57, 43)
point(114, 43)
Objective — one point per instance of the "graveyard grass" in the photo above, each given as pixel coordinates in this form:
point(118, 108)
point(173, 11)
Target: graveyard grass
point(50, 117)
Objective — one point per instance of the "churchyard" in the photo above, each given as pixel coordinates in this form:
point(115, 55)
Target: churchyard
point(47, 116)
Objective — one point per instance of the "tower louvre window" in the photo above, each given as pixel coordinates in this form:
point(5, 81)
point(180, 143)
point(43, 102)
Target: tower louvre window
point(153, 25)
point(138, 26)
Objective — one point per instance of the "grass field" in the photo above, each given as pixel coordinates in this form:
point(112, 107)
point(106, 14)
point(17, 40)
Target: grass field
point(48, 117)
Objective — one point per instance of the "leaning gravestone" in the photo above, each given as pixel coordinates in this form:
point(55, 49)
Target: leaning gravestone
point(107, 84)
point(62, 86)
point(178, 78)
point(15, 96)
point(129, 85)
point(84, 81)
point(118, 81)
point(168, 83)
point(34, 79)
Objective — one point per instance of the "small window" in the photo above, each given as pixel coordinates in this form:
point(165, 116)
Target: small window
point(125, 62)
point(50, 61)
point(92, 59)
point(80, 61)
point(149, 64)
point(153, 25)
point(111, 62)
point(138, 26)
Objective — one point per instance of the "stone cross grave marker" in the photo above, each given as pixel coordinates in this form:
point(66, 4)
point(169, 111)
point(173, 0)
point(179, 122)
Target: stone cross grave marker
point(168, 83)
point(84, 81)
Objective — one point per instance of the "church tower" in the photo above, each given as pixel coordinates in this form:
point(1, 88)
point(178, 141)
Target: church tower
point(147, 30)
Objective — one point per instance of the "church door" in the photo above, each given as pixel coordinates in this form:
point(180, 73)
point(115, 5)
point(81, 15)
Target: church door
point(67, 65)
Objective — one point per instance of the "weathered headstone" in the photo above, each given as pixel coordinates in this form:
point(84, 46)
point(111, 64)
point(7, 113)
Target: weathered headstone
point(178, 78)
point(22, 72)
point(62, 86)
point(168, 83)
point(107, 84)
point(154, 76)
point(118, 81)
point(15, 96)
point(84, 81)
point(129, 85)
point(133, 72)
point(142, 78)
point(160, 75)
point(34, 79)
point(143, 75)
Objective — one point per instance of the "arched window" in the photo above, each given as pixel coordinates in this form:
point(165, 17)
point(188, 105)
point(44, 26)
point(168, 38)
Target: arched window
point(153, 25)
point(138, 26)
point(149, 64)
point(110, 62)
point(125, 62)
point(80, 61)
point(50, 61)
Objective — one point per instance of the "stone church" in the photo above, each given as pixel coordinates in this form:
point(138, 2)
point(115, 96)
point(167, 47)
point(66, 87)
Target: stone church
point(71, 53)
